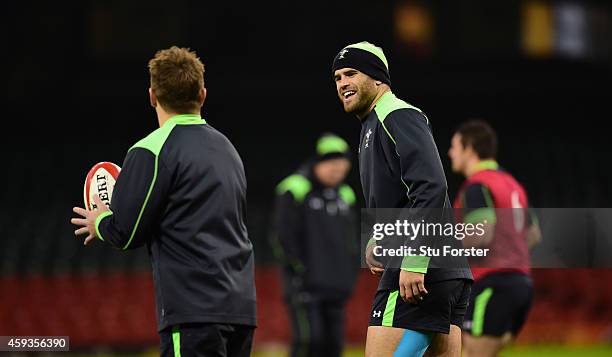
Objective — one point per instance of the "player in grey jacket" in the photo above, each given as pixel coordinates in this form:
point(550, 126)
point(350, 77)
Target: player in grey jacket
point(417, 306)
point(182, 194)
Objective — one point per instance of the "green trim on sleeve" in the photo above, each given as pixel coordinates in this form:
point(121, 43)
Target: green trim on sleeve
point(480, 307)
point(487, 195)
point(371, 242)
point(415, 264)
point(395, 143)
point(347, 194)
point(99, 219)
point(387, 104)
point(388, 133)
point(144, 204)
point(390, 309)
point(298, 185)
point(481, 215)
point(176, 341)
point(154, 142)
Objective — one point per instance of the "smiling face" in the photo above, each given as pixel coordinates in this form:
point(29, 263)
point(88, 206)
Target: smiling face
point(356, 91)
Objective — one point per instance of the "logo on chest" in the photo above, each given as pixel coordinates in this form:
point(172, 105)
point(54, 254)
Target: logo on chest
point(332, 207)
point(366, 140)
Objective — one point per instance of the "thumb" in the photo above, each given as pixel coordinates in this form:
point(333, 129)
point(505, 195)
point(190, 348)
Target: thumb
point(376, 263)
point(402, 291)
point(98, 201)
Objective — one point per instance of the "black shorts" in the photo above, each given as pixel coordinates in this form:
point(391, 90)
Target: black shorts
point(444, 305)
point(499, 303)
point(206, 340)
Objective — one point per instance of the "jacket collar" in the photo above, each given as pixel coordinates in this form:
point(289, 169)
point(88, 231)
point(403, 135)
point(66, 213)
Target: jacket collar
point(186, 119)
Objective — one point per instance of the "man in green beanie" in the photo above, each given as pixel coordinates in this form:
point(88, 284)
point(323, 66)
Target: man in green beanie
point(417, 308)
point(315, 233)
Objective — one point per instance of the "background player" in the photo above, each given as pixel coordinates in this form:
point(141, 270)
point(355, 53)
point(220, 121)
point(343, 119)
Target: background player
point(182, 193)
point(502, 293)
point(400, 168)
point(315, 229)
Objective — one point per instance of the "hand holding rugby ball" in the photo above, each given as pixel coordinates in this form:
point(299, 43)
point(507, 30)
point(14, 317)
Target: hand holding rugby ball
point(97, 194)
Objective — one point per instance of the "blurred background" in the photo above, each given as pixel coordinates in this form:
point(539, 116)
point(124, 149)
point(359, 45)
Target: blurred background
point(75, 93)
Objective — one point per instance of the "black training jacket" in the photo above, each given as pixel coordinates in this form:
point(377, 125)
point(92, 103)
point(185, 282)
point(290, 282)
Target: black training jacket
point(400, 168)
point(315, 234)
point(182, 193)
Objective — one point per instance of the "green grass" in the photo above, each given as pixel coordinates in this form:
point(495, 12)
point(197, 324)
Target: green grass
point(282, 352)
point(520, 351)
point(558, 351)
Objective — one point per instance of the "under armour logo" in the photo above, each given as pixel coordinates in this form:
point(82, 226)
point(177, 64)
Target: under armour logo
point(377, 314)
point(342, 53)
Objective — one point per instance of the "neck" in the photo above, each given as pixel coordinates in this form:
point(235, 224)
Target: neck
point(381, 91)
point(476, 164)
point(470, 168)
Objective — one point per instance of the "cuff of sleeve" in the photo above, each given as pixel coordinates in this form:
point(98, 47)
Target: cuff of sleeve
point(372, 241)
point(99, 219)
point(415, 264)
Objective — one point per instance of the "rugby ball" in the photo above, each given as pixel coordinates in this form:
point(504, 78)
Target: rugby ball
point(101, 180)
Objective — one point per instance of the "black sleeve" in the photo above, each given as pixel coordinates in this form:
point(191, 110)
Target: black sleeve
point(421, 168)
point(286, 232)
point(477, 203)
point(421, 172)
point(474, 197)
point(138, 201)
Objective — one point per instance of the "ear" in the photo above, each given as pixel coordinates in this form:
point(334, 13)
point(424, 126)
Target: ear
point(152, 98)
point(202, 95)
point(378, 83)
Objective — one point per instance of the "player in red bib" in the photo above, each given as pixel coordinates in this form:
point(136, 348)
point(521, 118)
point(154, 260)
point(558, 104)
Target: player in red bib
point(502, 293)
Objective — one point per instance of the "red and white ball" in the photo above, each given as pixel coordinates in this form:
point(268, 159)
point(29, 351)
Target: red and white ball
point(101, 180)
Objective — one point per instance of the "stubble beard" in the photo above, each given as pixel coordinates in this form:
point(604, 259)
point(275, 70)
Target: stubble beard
point(362, 106)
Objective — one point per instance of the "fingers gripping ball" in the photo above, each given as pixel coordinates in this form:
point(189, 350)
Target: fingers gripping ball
point(101, 180)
